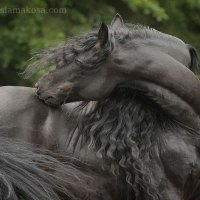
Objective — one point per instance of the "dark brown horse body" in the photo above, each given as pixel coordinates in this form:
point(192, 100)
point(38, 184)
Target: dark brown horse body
point(139, 143)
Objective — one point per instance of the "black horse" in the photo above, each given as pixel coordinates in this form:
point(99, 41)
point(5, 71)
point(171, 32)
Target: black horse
point(136, 130)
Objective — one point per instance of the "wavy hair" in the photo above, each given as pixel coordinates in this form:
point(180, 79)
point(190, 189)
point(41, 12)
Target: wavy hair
point(124, 130)
point(121, 130)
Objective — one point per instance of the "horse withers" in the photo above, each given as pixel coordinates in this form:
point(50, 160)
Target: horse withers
point(146, 135)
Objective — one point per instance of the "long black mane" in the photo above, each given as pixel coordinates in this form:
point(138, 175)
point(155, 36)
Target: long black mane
point(125, 130)
point(27, 172)
point(121, 130)
point(194, 65)
point(68, 51)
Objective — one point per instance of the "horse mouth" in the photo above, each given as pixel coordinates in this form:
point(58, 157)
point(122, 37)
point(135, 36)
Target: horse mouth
point(51, 101)
point(58, 99)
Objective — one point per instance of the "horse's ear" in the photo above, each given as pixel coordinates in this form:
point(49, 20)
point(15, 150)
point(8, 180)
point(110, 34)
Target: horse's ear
point(103, 34)
point(117, 23)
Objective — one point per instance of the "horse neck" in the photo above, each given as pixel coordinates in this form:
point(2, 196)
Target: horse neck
point(175, 49)
point(164, 79)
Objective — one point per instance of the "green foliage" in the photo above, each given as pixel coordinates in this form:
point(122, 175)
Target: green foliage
point(149, 7)
point(22, 34)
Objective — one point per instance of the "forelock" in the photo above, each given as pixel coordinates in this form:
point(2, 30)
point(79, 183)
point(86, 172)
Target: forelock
point(59, 56)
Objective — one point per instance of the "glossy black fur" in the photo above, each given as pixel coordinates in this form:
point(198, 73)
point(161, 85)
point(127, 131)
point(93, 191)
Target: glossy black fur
point(131, 132)
point(137, 143)
point(30, 173)
point(37, 160)
point(128, 135)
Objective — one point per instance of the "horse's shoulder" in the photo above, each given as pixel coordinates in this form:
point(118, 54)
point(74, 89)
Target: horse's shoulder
point(179, 156)
point(178, 144)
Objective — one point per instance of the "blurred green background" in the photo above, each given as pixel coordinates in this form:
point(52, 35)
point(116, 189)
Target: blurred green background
point(22, 34)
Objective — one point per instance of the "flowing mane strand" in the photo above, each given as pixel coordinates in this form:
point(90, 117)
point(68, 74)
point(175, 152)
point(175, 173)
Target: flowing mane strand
point(121, 130)
point(125, 131)
point(66, 53)
point(194, 65)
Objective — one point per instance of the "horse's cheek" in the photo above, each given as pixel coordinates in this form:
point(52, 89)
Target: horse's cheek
point(94, 90)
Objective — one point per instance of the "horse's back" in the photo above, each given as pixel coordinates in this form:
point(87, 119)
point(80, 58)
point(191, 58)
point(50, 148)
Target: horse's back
point(19, 104)
point(14, 99)
point(24, 116)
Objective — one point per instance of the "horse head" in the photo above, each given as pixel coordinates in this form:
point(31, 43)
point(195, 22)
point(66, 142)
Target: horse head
point(92, 66)
point(85, 73)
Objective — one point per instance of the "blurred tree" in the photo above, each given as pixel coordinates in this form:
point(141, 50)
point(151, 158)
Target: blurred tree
point(22, 34)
